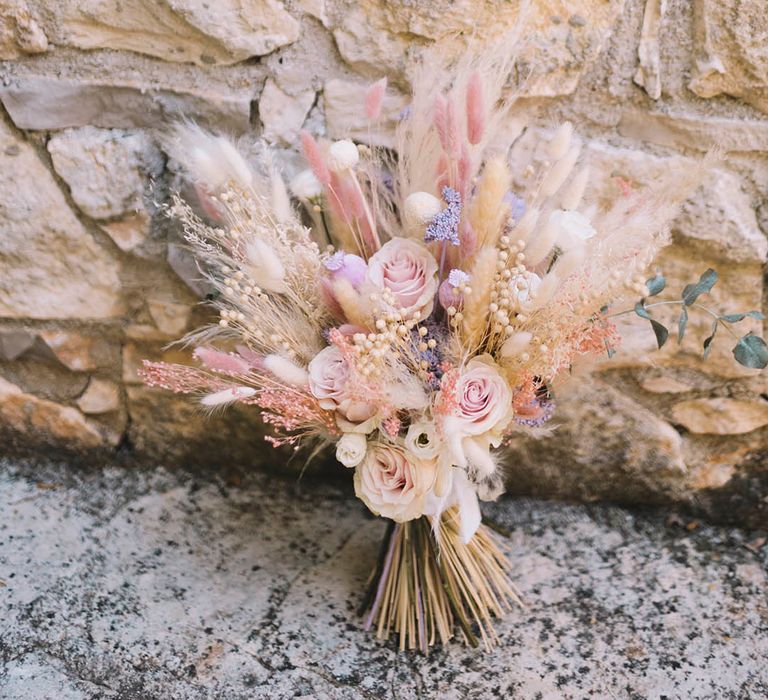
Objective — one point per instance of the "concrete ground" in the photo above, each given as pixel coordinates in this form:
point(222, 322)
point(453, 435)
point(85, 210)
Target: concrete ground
point(128, 584)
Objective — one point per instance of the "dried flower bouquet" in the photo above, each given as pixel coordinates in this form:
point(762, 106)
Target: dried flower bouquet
point(426, 314)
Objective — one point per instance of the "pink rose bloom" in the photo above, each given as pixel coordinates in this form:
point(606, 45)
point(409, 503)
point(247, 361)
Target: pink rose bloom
point(328, 382)
point(407, 269)
point(482, 409)
point(484, 399)
point(393, 483)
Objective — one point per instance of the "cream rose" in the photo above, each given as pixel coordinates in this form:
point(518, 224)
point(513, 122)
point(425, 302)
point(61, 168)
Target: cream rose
point(407, 269)
point(351, 449)
point(394, 483)
point(328, 382)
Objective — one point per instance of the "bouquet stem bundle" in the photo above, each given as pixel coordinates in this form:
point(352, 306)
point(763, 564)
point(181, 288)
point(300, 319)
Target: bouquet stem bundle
point(427, 581)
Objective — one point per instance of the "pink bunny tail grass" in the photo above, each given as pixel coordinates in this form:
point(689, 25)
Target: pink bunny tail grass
point(218, 361)
point(344, 199)
point(475, 109)
point(465, 170)
point(468, 238)
point(426, 583)
point(315, 157)
point(374, 99)
point(446, 124)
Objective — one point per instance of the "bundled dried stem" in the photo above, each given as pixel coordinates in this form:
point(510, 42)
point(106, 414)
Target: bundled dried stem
point(425, 584)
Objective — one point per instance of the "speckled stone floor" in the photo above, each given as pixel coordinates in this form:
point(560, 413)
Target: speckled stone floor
point(127, 584)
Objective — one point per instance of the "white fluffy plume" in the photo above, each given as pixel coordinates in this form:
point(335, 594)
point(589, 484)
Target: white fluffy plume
point(210, 159)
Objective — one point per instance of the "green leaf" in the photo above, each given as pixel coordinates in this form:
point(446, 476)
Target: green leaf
point(734, 318)
point(681, 324)
point(611, 351)
point(641, 311)
point(661, 332)
point(751, 351)
point(692, 292)
point(708, 341)
point(656, 284)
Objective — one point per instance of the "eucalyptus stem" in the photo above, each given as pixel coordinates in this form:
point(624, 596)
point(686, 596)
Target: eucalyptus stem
point(679, 302)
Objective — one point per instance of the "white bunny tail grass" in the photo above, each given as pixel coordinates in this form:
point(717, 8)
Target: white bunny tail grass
point(211, 160)
point(423, 591)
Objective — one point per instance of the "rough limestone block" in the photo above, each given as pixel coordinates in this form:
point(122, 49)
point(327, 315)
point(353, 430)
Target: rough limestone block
point(194, 31)
point(51, 266)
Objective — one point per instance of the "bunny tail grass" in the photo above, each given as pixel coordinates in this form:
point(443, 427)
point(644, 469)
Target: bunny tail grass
point(426, 588)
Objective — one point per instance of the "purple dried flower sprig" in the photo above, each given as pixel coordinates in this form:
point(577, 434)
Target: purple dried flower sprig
point(445, 225)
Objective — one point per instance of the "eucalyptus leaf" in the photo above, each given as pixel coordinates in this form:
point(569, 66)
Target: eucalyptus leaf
point(708, 340)
point(692, 292)
point(681, 324)
point(734, 318)
point(661, 332)
point(751, 351)
point(608, 349)
point(641, 311)
point(656, 284)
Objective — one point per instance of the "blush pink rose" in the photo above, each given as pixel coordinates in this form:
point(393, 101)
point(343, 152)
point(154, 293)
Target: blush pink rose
point(330, 385)
point(482, 400)
point(394, 483)
point(409, 271)
point(482, 409)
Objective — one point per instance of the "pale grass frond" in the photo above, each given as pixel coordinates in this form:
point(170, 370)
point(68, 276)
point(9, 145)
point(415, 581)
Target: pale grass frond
point(482, 276)
point(487, 209)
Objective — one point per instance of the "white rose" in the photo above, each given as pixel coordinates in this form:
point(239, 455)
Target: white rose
point(573, 228)
point(394, 483)
point(351, 449)
point(423, 439)
point(409, 271)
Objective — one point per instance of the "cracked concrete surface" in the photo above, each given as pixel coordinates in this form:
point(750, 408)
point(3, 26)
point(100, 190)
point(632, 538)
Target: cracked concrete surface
point(134, 584)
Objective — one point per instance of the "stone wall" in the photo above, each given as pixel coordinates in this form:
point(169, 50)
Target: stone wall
point(93, 279)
